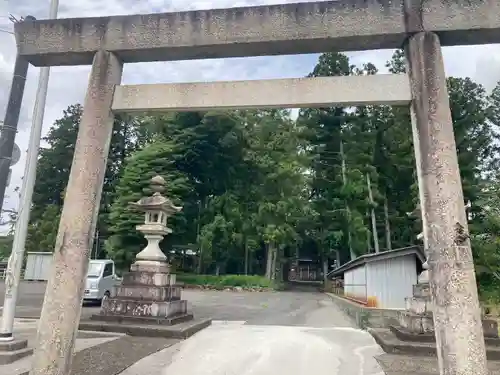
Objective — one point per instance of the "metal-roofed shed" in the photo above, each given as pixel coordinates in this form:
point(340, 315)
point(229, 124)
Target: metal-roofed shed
point(382, 279)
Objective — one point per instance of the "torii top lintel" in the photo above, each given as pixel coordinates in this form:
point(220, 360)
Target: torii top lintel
point(342, 25)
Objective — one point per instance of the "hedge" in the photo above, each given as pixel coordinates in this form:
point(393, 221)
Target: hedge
point(244, 281)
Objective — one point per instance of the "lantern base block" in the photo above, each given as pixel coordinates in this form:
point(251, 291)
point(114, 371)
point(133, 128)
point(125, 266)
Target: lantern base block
point(147, 294)
point(150, 266)
point(148, 320)
point(154, 311)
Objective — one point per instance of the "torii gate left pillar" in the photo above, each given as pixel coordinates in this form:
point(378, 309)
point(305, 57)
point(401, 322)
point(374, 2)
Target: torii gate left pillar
point(79, 218)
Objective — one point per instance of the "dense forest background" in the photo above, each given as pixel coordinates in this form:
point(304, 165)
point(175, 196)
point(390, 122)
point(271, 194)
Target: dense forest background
point(259, 187)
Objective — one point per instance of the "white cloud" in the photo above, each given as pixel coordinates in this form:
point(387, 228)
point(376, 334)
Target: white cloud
point(68, 84)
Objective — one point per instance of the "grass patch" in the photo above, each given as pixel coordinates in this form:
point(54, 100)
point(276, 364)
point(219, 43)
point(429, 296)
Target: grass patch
point(226, 281)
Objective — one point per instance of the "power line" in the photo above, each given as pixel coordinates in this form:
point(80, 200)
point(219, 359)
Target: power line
point(12, 19)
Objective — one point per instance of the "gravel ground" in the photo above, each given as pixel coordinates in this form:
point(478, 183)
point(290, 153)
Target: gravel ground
point(113, 357)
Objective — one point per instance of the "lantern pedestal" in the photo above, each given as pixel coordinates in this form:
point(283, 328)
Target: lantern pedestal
point(152, 254)
point(148, 294)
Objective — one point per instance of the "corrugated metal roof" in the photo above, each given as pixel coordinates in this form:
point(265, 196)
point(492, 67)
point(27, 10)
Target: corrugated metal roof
point(376, 257)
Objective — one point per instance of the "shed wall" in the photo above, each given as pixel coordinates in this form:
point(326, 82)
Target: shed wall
point(391, 280)
point(355, 282)
point(38, 266)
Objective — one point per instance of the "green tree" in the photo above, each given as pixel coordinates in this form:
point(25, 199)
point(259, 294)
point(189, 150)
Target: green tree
point(485, 240)
point(55, 160)
point(5, 246)
point(282, 187)
point(473, 136)
point(124, 241)
point(335, 187)
point(43, 232)
point(54, 167)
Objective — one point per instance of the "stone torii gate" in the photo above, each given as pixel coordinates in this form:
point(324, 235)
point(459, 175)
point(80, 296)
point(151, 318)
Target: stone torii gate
point(420, 26)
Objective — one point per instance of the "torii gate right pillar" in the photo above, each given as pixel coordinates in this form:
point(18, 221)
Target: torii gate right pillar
point(456, 311)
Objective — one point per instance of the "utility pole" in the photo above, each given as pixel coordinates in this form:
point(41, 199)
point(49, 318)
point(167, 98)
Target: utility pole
point(387, 224)
point(21, 230)
point(344, 182)
point(374, 220)
point(96, 246)
point(11, 120)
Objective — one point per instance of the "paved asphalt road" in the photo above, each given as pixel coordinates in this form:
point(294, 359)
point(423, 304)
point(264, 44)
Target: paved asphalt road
point(30, 300)
point(263, 308)
point(259, 333)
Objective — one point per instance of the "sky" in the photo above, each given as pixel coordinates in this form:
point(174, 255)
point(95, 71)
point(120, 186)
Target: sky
point(67, 85)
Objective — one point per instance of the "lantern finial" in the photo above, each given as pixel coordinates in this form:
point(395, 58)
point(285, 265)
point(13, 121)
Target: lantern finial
point(158, 184)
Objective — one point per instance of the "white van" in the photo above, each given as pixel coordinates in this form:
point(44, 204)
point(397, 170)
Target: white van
point(100, 280)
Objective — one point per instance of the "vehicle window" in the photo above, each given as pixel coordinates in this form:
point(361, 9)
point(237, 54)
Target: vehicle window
point(108, 270)
point(94, 270)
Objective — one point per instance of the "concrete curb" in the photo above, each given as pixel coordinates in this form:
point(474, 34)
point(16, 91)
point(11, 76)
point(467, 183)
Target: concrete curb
point(366, 317)
point(393, 345)
point(404, 335)
point(178, 331)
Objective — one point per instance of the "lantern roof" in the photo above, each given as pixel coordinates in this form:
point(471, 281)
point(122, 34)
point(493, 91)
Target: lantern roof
point(156, 202)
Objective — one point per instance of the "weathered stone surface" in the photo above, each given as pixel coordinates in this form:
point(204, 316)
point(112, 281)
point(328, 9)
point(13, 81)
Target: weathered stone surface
point(390, 343)
point(390, 89)
point(394, 364)
point(298, 28)
point(10, 346)
point(149, 278)
point(131, 307)
point(456, 309)
point(422, 290)
point(147, 293)
point(418, 323)
point(15, 355)
point(136, 327)
point(62, 307)
point(418, 305)
point(159, 267)
point(133, 320)
point(490, 328)
point(403, 334)
point(11, 351)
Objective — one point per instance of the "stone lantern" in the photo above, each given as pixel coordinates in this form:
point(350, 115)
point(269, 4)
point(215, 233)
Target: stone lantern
point(157, 209)
point(149, 293)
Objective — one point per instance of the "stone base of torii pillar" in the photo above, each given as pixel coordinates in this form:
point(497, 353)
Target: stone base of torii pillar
point(416, 322)
point(412, 333)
